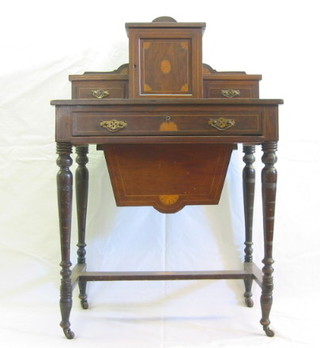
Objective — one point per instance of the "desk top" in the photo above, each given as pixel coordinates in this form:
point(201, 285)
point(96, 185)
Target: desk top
point(172, 101)
point(84, 121)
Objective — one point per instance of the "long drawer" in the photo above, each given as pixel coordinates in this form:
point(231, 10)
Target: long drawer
point(102, 124)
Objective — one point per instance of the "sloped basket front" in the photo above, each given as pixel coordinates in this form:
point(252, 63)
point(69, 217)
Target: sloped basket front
point(167, 176)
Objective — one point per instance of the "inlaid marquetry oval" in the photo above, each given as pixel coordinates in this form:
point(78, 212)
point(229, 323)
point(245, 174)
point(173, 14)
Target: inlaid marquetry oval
point(165, 66)
point(168, 199)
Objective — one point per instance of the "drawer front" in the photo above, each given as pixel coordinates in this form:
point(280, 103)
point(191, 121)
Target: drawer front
point(99, 89)
point(102, 124)
point(231, 89)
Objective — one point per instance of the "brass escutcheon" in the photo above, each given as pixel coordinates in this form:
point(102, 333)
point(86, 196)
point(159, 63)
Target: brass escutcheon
point(222, 123)
point(100, 93)
point(113, 125)
point(230, 93)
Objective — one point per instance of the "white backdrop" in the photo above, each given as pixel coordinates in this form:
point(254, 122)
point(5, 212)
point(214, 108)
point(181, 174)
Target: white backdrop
point(42, 42)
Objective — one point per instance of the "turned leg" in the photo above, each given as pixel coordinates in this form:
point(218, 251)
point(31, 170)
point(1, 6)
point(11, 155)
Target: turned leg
point(82, 179)
point(64, 187)
point(248, 177)
point(269, 182)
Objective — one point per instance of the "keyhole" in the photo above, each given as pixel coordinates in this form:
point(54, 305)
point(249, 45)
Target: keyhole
point(168, 118)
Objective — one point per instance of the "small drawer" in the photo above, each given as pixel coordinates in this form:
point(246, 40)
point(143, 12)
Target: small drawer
point(99, 124)
point(231, 89)
point(99, 89)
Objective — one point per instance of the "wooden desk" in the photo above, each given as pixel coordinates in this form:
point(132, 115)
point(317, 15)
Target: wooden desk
point(138, 121)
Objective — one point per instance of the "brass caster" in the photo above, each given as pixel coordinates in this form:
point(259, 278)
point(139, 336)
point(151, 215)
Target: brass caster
point(249, 302)
point(68, 333)
point(268, 331)
point(84, 304)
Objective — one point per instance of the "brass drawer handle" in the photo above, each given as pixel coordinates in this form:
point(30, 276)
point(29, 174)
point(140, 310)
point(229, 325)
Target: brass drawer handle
point(222, 123)
point(99, 93)
point(113, 125)
point(230, 93)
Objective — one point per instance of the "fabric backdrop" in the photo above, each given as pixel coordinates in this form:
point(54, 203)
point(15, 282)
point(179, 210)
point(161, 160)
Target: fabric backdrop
point(42, 42)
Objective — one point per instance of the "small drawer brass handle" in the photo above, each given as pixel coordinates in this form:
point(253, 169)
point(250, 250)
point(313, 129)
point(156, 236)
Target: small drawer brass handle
point(113, 125)
point(222, 123)
point(230, 93)
point(99, 93)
